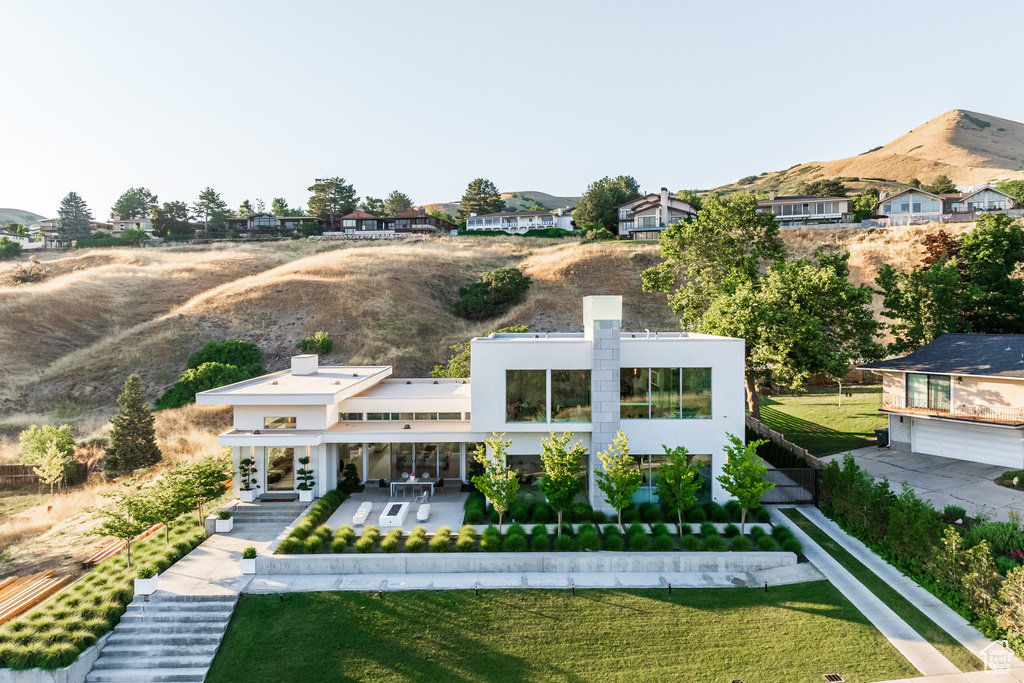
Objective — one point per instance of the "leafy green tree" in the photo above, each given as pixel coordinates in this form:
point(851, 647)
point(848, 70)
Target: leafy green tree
point(396, 203)
point(195, 380)
point(481, 197)
point(128, 515)
point(136, 202)
point(373, 206)
point(279, 207)
point(310, 228)
point(679, 482)
point(923, 304)
point(864, 204)
point(499, 483)
point(970, 572)
point(170, 218)
point(941, 185)
point(1015, 188)
point(619, 479)
point(595, 232)
point(201, 482)
point(246, 208)
point(826, 187)
point(132, 434)
point(743, 475)
point(991, 255)
point(458, 365)
point(9, 248)
point(496, 291)
point(915, 183)
point(74, 220)
point(164, 499)
point(16, 229)
point(332, 198)
point(690, 196)
point(560, 482)
point(36, 440)
point(599, 204)
point(53, 466)
point(441, 215)
point(1010, 607)
point(135, 236)
point(246, 356)
point(211, 209)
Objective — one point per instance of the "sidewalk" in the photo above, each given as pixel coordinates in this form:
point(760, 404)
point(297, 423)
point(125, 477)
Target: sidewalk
point(906, 640)
point(213, 568)
point(944, 617)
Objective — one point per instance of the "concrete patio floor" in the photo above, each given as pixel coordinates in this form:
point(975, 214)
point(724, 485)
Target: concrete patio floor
point(446, 509)
point(944, 481)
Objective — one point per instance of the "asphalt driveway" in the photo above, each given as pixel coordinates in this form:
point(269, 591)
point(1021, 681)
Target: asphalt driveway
point(944, 481)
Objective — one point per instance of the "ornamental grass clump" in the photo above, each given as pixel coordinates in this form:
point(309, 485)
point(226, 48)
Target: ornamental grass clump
point(589, 539)
point(467, 539)
point(740, 544)
point(392, 541)
point(343, 538)
point(756, 533)
point(731, 530)
point(490, 541)
point(767, 544)
point(793, 545)
point(664, 543)
point(714, 543)
point(717, 513)
point(690, 543)
point(708, 528)
point(441, 542)
point(417, 541)
point(298, 541)
point(696, 514)
point(613, 542)
point(539, 539)
point(514, 543)
point(638, 540)
point(565, 544)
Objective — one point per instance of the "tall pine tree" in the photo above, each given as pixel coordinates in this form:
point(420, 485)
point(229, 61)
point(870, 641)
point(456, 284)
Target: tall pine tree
point(132, 435)
point(481, 197)
point(74, 220)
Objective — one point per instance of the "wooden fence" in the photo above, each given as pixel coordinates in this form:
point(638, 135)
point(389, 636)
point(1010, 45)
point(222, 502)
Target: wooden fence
point(777, 438)
point(14, 476)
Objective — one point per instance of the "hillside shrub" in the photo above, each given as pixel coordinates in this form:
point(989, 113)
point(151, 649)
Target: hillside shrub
point(319, 342)
point(556, 233)
point(493, 295)
point(101, 241)
point(9, 248)
point(952, 513)
point(215, 365)
point(25, 273)
point(1003, 537)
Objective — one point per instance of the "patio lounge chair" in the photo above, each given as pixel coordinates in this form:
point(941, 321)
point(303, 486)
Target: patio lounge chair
point(423, 513)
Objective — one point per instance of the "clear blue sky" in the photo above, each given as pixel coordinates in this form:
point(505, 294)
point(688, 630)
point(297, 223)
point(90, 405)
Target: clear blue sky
point(258, 98)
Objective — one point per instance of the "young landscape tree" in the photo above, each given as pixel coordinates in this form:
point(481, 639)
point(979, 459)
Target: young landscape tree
point(36, 440)
point(332, 198)
point(165, 501)
point(136, 202)
point(132, 434)
point(201, 482)
point(679, 482)
point(53, 466)
point(128, 515)
point(619, 478)
point(396, 203)
point(211, 209)
point(597, 206)
point(499, 483)
point(560, 481)
point(743, 475)
point(798, 317)
point(481, 196)
point(74, 220)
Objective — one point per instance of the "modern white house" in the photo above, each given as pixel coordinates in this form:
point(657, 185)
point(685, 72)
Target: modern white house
point(807, 209)
point(674, 389)
point(119, 225)
point(646, 217)
point(518, 222)
point(961, 396)
point(24, 240)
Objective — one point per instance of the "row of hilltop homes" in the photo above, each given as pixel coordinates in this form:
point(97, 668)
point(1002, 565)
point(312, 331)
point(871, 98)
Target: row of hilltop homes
point(961, 396)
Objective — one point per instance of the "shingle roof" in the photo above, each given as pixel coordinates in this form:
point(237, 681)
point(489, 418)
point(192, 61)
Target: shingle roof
point(998, 355)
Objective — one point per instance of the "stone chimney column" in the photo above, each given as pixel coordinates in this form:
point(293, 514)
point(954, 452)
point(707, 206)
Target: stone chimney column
point(602, 321)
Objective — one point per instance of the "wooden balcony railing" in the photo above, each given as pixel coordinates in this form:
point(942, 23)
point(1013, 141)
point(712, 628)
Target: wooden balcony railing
point(959, 411)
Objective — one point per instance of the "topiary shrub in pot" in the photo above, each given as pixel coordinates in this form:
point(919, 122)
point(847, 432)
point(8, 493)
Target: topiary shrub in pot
point(306, 480)
point(247, 482)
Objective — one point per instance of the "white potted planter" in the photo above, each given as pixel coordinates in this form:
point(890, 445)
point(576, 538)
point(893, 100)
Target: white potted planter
point(147, 584)
point(248, 564)
point(247, 496)
point(305, 496)
point(224, 526)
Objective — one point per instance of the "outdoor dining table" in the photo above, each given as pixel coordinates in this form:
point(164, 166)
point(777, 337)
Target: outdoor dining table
point(405, 484)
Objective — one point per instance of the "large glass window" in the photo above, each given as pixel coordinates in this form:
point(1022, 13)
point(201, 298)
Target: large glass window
point(634, 393)
point(696, 393)
point(570, 395)
point(280, 469)
point(448, 460)
point(665, 392)
point(380, 461)
point(401, 460)
point(350, 454)
point(526, 396)
point(928, 391)
point(279, 423)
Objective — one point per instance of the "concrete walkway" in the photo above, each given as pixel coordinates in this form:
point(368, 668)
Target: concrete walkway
point(944, 481)
point(936, 610)
point(906, 640)
point(1013, 676)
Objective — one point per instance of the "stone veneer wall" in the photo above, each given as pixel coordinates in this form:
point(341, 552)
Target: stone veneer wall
point(604, 398)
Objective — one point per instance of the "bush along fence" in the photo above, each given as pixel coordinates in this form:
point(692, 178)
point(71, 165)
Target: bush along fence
point(974, 565)
point(779, 452)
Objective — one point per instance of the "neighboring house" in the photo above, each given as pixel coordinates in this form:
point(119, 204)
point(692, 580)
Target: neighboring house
point(674, 389)
point(518, 222)
point(415, 221)
point(25, 241)
point(961, 396)
point(119, 225)
point(914, 205)
point(266, 224)
point(646, 217)
point(807, 209)
point(48, 231)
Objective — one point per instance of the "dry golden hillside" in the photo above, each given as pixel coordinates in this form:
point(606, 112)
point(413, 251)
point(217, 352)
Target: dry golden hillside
point(968, 147)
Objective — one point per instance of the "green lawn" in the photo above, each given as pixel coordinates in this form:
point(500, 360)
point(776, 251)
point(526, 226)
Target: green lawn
point(952, 650)
point(815, 420)
point(791, 633)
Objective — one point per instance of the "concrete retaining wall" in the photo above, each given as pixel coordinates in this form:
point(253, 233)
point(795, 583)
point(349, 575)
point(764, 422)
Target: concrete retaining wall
point(73, 673)
point(601, 561)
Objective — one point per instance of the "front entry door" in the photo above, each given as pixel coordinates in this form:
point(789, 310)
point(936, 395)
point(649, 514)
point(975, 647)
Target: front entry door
point(280, 469)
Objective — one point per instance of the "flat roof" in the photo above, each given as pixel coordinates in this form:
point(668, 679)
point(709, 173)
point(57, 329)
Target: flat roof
point(418, 388)
point(327, 386)
point(577, 336)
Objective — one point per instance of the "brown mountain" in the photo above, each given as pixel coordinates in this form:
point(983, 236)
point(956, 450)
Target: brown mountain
point(968, 147)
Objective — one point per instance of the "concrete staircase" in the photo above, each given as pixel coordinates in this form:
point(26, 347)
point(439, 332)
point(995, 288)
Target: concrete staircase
point(167, 638)
point(268, 513)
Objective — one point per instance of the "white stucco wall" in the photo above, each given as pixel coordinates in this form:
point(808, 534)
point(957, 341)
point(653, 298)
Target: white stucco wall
point(249, 418)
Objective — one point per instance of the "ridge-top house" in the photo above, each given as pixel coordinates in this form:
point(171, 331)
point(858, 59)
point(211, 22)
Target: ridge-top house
point(266, 224)
point(646, 217)
point(673, 388)
point(961, 396)
point(409, 223)
point(807, 209)
point(914, 205)
point(518, 222)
